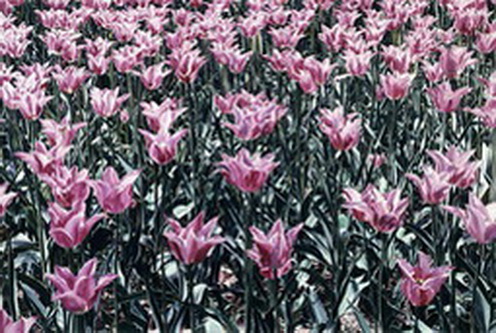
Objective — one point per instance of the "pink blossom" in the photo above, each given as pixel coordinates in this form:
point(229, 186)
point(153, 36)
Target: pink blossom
point(113, 194)
point(7, 325)
point(69, 186)
point(479, 219)
point(79, 293)
point(454, 60)
point(70, 78)
point(106, 102)
point(193, 243)
point(445, 98)
point(60, 134)
point(69, 228)
point(247, 172)
point(44, 161)
point(272, 252)
point(357, 64)
point(343, 131)
point(6, 199)
point(462, 173)
point(163, 145)
point(152, 76)
point(186, 63)
point(383, 211)
point(395, 86)
point(433, 187)
point(421, 283)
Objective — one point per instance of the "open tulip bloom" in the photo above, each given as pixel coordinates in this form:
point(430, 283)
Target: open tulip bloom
point(79, 293)
point(193, 243)
point(7, 325)
point(421, 283)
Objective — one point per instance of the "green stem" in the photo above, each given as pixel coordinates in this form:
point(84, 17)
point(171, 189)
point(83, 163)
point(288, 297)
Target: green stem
point(191, 305)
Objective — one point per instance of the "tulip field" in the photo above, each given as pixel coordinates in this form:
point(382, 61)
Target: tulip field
point(247, 166)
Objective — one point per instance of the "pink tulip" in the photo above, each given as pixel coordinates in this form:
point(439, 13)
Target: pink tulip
point(272, 252)
point(6, 199)
point(398, 59)
point(421, 283)
point(193, 243)
point(487, 113)
point(7, 325)
point(106, 102)
point(79, 293)
point(445, 98)
point(44, 161)
point(479, 220)
point(247, 172)
point(126, 58)
point(454, 60)
point(357, 64)
point(113, 194)
point(162, 146)
point(432, 72)
point(462, 173)
point(152, 76)
point(186, 64)
point(156, 114)
point(98, 64)
point(433, 187)
point(60, 134)
point(69, 228)
point(383, 211)
point(395, 86)
point(69, 186)
point(70, 78)
point(254, 116)
point(343, 131)
point(31, 104)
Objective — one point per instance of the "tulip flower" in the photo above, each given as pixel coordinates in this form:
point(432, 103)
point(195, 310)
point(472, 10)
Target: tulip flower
point(487, 113)
point(254, 117)
point(445, 98)
point(79, 293)
point(434, 186)
point(272, 252)
point(113, 194)
point(107, 102)
point(7, 325)
point(60, 133)
point(193, 243)
point(343, 131)
point(70, 78)
point(44, 161)
point(186, 64)
point(155, 113)
point(69, 228)
point(163, 145)
point(421, 283)
point(395, 86)
point(69, 186)
point(247, 172)
point(462, 172)
point(383, 211)
point(6, 199)
point(479, 219)
point(454, 60)
point(152, 76)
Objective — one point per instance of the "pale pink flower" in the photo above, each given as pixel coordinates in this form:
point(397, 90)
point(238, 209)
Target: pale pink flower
point(395, 86)
point(7, 325)
point(272, 252)
point(60, 133)
point(384, 212)
point(69, 186)
point(433, 187)
point(454, 60)
point(186, 63)
point(69, 227)
point(6, 199)
point(106, 102)
point(462, 172)
point(247, 172)
point(479, 219)
point(421, 283)
point(115, 195)
point(445, 98)
point(343, 131)
point(193, 243)
point(44, 161)
point(152, 76)
point(162, 146)
point(79, 293)
point(69, 78)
